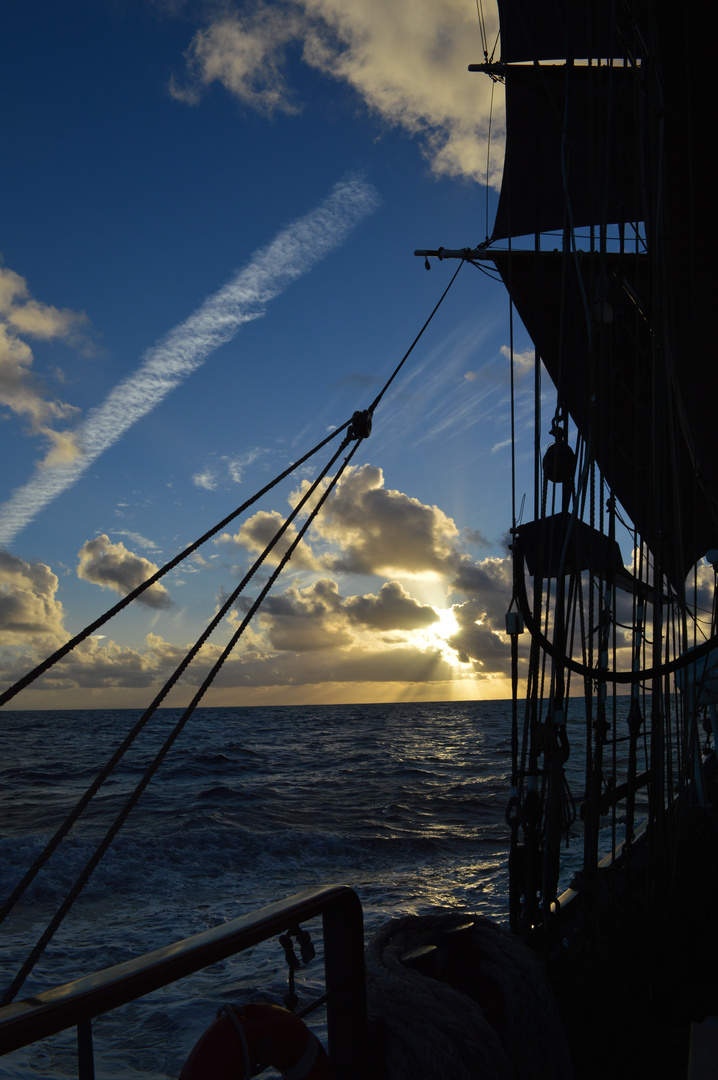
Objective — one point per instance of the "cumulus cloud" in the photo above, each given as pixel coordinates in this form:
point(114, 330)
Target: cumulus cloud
point(381, 531)
point(476, 639)
point(362, 663)
point(303, 639)
point(318, 617)
point(392, 609)
point(31, 616)
point(114, 567)
point(407, 62)
point(102, 664)
point(109, 665)
point(21, 390)
point(303, 620)
point(489, 578)
point(257, 531)
point(310, 635)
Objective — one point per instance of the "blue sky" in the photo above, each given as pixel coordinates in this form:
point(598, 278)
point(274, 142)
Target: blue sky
point(207, 263)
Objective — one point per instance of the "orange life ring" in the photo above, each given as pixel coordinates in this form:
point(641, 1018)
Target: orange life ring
point(262, 1034)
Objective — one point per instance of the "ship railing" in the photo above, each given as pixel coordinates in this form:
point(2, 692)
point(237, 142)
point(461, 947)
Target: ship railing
point(76, 1003)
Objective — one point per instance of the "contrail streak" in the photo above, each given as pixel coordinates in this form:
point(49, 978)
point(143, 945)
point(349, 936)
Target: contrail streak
point(273, 268)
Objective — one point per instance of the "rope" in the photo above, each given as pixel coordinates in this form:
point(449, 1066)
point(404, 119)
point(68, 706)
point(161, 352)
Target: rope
point(35, 673)
point(408, 352)
point(594, 673)
point(482, 1007)
point(358, 427)
point(228, 1010)
point(482, 27)
point(30, 677)
point(119, 821)
point(99, 780)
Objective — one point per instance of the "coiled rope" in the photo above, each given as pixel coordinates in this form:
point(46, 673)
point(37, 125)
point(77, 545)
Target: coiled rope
point(456, 995)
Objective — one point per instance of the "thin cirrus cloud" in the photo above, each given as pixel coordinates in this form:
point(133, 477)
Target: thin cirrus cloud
point(272, 269)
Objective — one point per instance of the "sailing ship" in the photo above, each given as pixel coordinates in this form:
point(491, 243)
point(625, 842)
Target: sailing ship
point(601, 238)
point(604, 239)
point(605, 179)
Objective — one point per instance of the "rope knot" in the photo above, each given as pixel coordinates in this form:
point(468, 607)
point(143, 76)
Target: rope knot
point(293, 962)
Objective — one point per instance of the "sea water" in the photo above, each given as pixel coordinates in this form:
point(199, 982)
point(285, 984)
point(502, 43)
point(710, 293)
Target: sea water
point(405, 803)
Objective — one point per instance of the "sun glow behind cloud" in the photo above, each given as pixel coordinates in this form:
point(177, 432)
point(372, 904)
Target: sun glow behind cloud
point(362, 614)
point(438, 635)
point(314, 639)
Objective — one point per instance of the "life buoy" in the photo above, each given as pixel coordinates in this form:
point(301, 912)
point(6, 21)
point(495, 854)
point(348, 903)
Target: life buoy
point(261, 1035)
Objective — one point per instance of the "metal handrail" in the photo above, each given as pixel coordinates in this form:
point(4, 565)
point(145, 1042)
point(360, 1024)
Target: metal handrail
point(76, 1003)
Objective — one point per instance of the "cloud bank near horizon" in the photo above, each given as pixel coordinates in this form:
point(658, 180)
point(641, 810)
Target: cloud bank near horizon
point(292, 253)
point(387, 594)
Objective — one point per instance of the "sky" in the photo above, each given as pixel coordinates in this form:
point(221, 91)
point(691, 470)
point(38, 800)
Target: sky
point(206, 265)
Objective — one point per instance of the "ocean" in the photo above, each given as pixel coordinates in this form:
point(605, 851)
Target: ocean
point(404, 802)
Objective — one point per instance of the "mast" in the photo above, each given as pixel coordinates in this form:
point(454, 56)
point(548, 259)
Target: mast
point(605, 238)
point(600, 248)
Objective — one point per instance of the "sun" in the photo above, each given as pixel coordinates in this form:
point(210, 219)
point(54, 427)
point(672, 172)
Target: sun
point(447, 625)
point(437, 636)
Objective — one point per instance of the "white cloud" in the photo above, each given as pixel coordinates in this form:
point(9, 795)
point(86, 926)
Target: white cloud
point(392, 609)
point(138, 538)
point(236, 465)
point(246, 56)
point(303, 620)
point(223, 468)
point(407, 61)
point(524, 361)
point(380, 531)
point(21, 390)
point(257, 531)
point(205, 479)
point(114, 567)
point(31, 616)
point(272, 269)
point(307, 635)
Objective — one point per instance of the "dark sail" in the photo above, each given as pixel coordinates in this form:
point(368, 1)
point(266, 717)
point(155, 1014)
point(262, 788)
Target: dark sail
point(553, 30)
point(601, 147)
point(553, 179)
point(608, 204)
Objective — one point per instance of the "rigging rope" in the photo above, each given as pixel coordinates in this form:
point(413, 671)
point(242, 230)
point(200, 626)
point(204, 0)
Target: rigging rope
point(131, 802)
point(660, 669)
point(99, 780)
point(359, 427)
point(415, 342)
point(30, 677)
point(41, 668)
